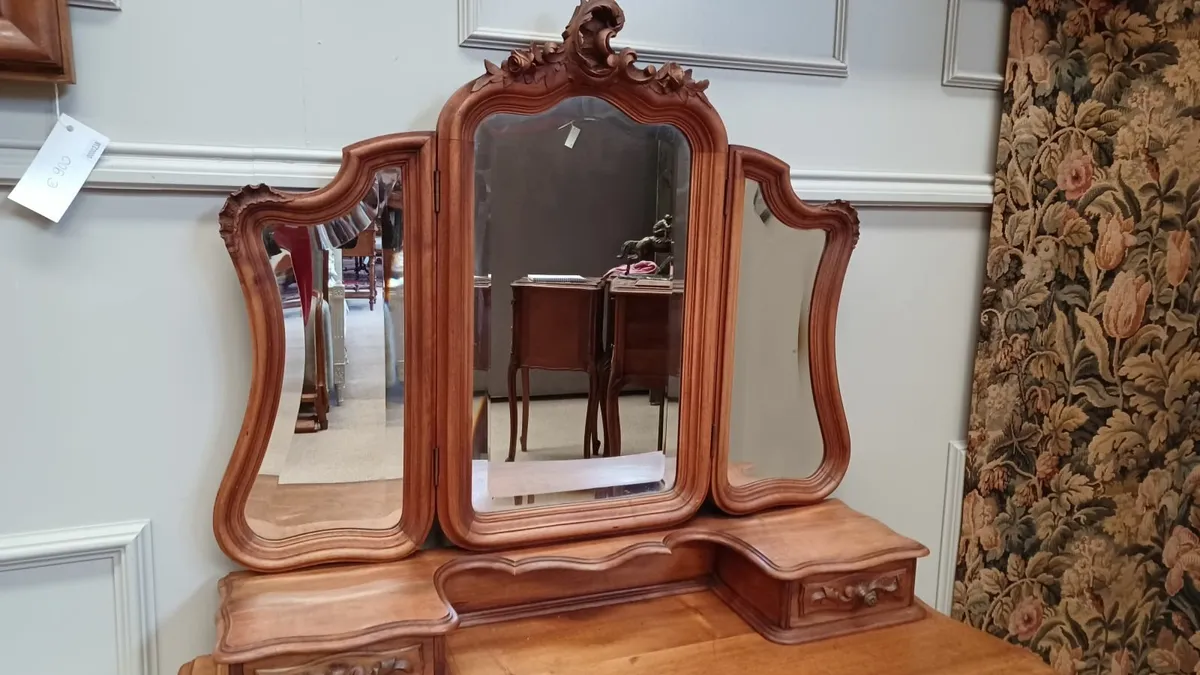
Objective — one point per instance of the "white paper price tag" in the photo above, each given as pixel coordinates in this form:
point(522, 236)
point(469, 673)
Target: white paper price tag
point(572, 136)
point(60, 168)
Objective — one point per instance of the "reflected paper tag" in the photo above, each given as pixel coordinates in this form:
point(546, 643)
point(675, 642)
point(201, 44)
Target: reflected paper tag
point(58, 172)
point(572, 136)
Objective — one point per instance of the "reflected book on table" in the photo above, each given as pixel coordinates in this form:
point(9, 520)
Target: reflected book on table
point(556, 278)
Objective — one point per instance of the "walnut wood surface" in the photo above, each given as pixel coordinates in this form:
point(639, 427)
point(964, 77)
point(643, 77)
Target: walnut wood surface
point(531, 81)
point(840, 223)
point(279, 511)
point(352, 607)
point(35, 41)
point(696, 634)
point(242, 220)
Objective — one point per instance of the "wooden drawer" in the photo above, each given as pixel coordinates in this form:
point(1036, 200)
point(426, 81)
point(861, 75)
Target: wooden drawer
point(873, 591)
point(398, 659)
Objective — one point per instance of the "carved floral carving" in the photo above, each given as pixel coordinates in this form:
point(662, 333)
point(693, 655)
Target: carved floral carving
point(339, 666)
point(866, 592)
point(391, 666)
point(238, 202)
point(586, 54)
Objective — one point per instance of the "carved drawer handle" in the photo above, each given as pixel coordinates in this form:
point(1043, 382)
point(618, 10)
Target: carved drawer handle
point(384, 667)
point(866, 592)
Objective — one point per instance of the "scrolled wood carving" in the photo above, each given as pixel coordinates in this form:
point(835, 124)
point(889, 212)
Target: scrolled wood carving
point(390, 666)
point(344, 665)
point(238, 202)
point(865, 592)
point(586, 53)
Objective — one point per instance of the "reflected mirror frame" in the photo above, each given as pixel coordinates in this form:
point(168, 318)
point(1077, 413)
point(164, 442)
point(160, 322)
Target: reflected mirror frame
point(530, 81)
point(840, 222)
point(243, 218)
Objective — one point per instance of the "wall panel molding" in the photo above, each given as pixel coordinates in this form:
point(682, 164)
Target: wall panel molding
point(952, 505)
point(472, 34)
point(153, 166)
point(169, 166)
point(952, 75)
point(96, 4)
point(127, 546)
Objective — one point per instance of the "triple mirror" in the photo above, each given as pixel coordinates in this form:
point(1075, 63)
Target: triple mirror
point(574, 310)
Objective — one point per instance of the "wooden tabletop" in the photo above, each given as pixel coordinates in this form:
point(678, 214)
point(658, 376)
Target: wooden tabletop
point(645, 286)
point(696, 634)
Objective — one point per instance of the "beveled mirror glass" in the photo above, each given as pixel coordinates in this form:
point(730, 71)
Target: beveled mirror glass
point(774, 431)
point(335, 458)
point(783, 438)
point(581, 222)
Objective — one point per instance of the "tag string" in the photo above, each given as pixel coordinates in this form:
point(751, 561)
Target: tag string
point(57, 112)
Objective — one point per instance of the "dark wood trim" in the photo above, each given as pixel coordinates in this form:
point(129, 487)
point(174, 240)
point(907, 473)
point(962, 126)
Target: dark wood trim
point(530, 81)
point(242, 220)
point(840, 222)
point(35, 41)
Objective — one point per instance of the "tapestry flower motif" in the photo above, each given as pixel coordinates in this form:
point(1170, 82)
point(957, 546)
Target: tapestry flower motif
point(1081, 520)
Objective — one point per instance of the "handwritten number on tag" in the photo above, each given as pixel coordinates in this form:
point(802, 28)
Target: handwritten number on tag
point(59, 169)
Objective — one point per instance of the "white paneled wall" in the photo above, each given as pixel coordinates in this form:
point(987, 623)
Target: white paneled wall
point(126, 348)
point(79, 600)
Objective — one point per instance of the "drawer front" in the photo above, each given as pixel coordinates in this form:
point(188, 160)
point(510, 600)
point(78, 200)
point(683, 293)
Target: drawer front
point(406, 660)
point(831, 597)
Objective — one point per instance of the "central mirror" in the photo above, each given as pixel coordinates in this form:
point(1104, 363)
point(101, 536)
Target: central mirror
point(581, 223)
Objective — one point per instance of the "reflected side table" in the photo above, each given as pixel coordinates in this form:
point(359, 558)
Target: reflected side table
point(555, 326)
point(647, 338)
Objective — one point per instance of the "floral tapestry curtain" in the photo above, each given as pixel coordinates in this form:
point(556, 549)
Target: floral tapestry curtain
point(1081, 521)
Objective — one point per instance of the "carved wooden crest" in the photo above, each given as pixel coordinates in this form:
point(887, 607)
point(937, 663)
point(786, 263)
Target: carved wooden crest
point(587, 55)
point(238, 202)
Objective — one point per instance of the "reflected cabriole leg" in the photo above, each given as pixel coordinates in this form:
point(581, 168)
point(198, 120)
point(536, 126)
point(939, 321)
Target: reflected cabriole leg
point(589, 422)
point(612, 429)
point(512, 411)
point(524, 410)
point(602, 401)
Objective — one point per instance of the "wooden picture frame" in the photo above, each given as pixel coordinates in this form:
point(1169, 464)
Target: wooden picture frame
point(35, 41)
point(242, 220)
point(530, 81)
point(840, 222)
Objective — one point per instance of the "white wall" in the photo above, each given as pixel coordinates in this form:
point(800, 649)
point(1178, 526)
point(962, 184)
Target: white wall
point(126, 349)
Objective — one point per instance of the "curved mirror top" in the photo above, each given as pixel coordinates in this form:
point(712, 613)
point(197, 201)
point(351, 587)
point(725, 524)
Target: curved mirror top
point(774, 429)
point(335, 458)
point(581, 226)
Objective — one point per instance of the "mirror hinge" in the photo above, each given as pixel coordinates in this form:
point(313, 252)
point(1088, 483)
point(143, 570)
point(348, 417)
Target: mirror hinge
point(437, 191)
point(436, 459)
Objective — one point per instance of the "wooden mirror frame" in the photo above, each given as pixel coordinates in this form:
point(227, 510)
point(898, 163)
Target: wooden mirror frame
point(840, 222)
point(35, 41)
point(530, 81)
point(245, 214)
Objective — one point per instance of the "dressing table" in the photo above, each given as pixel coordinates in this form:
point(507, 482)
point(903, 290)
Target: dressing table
point(701, 538)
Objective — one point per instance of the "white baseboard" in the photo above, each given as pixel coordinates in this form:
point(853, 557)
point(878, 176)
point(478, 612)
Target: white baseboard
point(127, 546)
point(956, 464)
point(158, 166)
